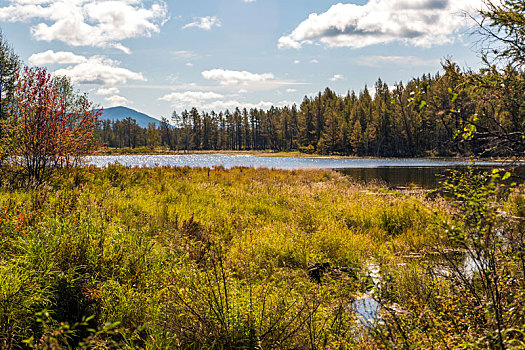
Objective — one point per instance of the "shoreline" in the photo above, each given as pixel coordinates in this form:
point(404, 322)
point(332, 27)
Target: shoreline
point(271, 154)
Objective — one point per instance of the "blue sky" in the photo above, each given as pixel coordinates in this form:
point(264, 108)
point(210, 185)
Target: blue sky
point(158, 56)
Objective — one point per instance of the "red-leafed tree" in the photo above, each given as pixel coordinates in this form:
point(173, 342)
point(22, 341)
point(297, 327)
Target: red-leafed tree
point(51, 126)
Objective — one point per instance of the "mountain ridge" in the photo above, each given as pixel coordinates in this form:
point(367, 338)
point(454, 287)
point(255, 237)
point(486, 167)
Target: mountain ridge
point(120, 113)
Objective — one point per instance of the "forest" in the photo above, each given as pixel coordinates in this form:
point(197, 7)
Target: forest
point(419, 119)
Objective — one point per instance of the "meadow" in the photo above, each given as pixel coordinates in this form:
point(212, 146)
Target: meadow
point(242, 258)
point(239, 258)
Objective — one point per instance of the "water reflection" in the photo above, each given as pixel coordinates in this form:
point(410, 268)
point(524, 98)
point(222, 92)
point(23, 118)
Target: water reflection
point(367, 310)
point(229, 161)
point(425, 177)
point(392, 172)
point(366, 307)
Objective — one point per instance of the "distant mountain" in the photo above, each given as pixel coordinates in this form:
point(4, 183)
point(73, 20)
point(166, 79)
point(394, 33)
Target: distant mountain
point(120, 113)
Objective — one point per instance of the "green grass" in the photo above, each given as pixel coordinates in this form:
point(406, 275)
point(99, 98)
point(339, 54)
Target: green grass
point(196, 258)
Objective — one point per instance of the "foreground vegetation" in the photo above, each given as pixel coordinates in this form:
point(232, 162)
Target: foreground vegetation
point(195, 258)
point(215, 258)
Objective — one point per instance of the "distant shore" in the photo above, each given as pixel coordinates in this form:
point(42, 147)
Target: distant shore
point(260, 153)
point(163, 151)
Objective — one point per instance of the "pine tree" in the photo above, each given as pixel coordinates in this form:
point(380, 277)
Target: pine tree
point(331, 134)
point(356, 139)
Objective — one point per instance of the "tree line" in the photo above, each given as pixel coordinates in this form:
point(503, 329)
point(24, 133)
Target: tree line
point(421, 118)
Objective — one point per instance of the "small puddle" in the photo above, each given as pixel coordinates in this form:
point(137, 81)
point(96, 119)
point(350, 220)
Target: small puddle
point(366, 309)
point(365, 306)
point(472, 266)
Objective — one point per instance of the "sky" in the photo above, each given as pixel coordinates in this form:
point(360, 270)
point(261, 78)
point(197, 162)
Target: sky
point(160, 56)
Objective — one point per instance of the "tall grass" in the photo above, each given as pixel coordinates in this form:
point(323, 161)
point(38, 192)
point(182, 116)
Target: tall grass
point(195, 258)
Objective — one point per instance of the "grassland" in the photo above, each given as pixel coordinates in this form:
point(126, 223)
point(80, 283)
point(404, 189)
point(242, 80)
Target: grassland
point(203, 258)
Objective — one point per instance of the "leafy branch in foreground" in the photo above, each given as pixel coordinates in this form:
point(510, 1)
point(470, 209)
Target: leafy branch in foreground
point(65, 336)
point(502, 25)
point(490, 270)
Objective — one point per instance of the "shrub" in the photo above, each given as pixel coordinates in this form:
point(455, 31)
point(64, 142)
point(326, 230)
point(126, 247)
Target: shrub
point(49, 127)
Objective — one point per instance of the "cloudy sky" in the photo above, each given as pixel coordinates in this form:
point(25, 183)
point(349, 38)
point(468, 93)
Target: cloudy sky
point(157, 56)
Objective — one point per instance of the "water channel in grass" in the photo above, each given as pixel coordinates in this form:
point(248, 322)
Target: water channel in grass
point(421, 172)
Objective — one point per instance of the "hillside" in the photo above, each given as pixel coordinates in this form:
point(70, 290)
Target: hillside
point(120, 113)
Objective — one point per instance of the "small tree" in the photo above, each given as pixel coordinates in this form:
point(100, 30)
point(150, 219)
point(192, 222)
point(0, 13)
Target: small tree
point(9, 65)
point(51, 127)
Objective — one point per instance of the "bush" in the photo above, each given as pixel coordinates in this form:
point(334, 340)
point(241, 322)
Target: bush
point(48, 126)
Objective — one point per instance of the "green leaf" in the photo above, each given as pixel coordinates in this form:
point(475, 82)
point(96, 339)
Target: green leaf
point(506, 176)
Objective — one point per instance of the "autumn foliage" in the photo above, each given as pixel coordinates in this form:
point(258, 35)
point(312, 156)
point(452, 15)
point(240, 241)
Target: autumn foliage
point(49, 128)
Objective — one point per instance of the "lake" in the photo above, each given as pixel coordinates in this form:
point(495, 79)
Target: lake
point(392, 172)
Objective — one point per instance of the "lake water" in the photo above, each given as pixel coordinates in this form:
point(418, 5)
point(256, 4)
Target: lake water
point(392, 172)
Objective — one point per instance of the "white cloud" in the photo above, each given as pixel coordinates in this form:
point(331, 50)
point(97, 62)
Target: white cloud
point(314, 61)
point(296, 62)
point(232, 77)
point(291, 90)
point(189, 99)
point(99, 70)
point(189, 64)
point(285, 103)
point(51, 57)
point(286, 42)
point(248, 0)
point(116, 100)
point(392, 88)
point(107, 91)
point(97, 23)
point(184, 55)
point(417, 22)
point(381, 61)
point(337, 77)
point(206, 23)
point(232, 104)
point(206, 100)
point(191, 96)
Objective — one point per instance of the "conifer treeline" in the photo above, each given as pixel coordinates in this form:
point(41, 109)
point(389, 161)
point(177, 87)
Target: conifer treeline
point(419, 119)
